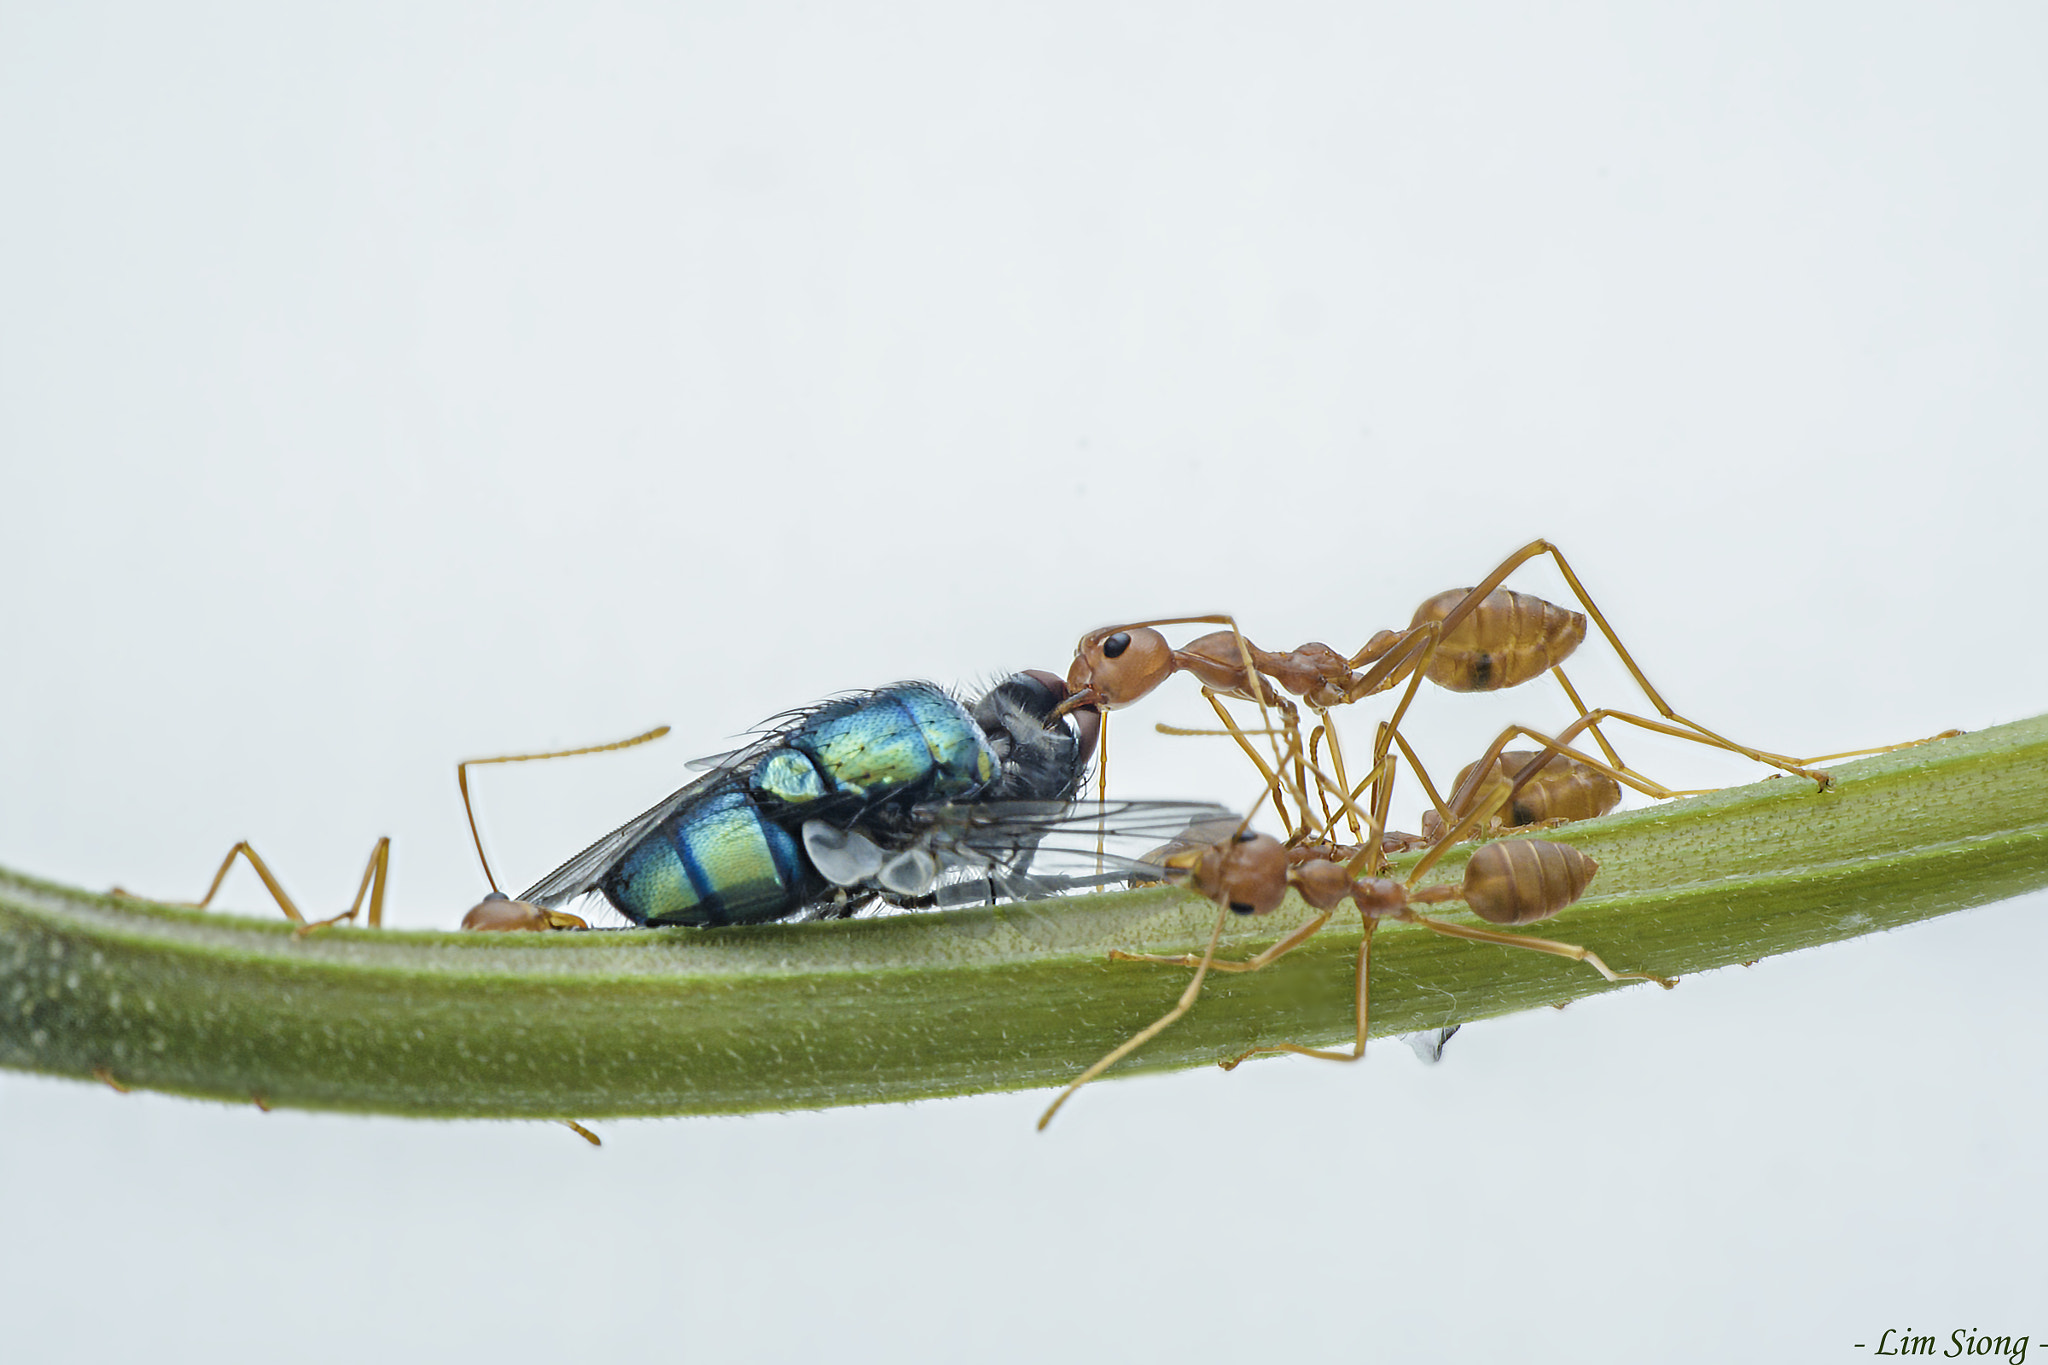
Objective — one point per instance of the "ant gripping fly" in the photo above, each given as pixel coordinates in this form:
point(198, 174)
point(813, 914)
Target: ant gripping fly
point(1479, 639)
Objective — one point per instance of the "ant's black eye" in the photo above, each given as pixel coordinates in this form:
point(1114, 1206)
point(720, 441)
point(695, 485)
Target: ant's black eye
point(1115, 645)
point(1245, 836)
point(1241, 908)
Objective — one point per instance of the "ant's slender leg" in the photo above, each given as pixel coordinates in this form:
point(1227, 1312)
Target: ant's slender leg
point(1358, 1045)
point(373, 882)
point(1151, 1030)
point(1557, 745)
point(1394, 652)
point(1393, 649)
point(1315, 741)
point(1443, 812)
point(1203, 966)
point(1382, 796)
point(374, 875)
point(1275, 783)
point(1294, 939)
point(1364, 967)
point(1280, 949)
point(1274, 786)
point(1380, 782)
point(376, 872)
point(1579, 706)
point(277, 893)
point(462, 781)
point(1882, 748)
point(1656, 698)
point(1541, 945)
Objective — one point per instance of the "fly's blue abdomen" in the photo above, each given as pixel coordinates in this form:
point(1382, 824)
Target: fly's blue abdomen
point(911, 736)
point(715, 861)
point(841, 803)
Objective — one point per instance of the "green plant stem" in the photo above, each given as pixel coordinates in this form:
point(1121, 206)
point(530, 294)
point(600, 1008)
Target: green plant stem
point(807, 1015)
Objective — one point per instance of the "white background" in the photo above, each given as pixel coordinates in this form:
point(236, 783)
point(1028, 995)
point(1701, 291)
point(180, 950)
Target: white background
point(382, 386)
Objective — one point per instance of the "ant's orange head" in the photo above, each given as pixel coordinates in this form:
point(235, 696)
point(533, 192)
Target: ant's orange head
point(1116, 667)
point(499, 911)
point(1247, 872)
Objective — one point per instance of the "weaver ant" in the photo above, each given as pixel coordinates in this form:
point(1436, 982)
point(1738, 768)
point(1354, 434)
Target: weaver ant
point(1564, 790)
point(1479, 639)
point(496, 911)
point(1514, 882)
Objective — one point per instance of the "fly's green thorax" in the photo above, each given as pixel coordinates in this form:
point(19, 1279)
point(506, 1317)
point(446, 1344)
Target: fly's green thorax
point(877, 746)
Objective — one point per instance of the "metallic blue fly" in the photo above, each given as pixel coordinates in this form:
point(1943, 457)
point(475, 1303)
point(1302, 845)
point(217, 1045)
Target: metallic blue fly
point(903, 793)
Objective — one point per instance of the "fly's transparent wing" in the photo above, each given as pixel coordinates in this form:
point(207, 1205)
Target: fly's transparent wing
point(1131, 830)
point(733, 759)
point(581, 874)
point(1028, 850)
